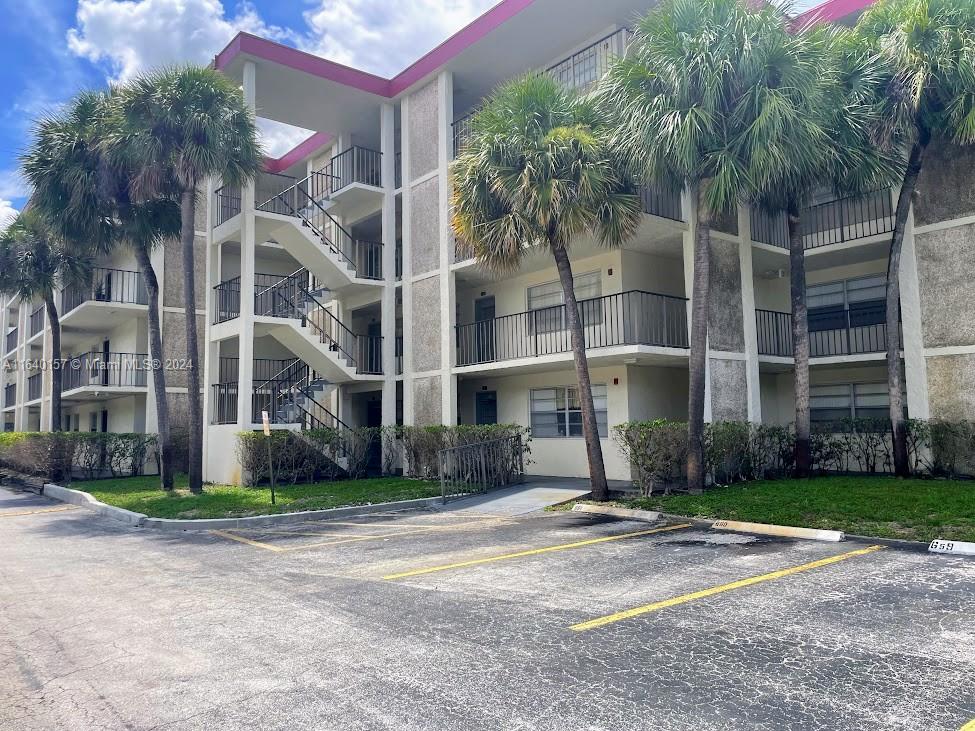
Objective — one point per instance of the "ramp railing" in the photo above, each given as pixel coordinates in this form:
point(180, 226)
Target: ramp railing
point(481, 466)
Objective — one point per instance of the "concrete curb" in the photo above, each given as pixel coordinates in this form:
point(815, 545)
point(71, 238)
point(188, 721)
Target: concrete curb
point(648, 516)
point(84, 500)
point(258, 521)
point(785, 531)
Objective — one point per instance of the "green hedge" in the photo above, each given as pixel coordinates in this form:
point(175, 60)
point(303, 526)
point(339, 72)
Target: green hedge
point(736, 451)
point(58, 455)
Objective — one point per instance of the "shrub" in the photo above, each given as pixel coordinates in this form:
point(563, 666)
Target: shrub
point(657, 452)
point(57, 456)
point(422, 444)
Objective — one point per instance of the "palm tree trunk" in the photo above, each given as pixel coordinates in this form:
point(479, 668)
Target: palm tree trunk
point(700, 304)
point(895, 385)
point(800, 341)
point(590, 429)
point(195, 447)
point(56, 360)
point(167, 467)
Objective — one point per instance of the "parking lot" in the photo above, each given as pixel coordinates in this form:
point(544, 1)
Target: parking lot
point(470, 620)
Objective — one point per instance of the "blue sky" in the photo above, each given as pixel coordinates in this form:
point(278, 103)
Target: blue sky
point(51, 49)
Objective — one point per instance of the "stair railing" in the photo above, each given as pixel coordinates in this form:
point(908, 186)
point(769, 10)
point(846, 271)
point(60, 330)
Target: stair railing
point(331, 331)
point(266, 299)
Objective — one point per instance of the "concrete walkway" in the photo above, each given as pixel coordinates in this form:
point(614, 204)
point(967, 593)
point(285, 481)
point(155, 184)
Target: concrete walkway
point(537, 493)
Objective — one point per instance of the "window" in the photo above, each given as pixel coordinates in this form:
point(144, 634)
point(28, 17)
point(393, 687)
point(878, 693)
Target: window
point(545, 303)
point(832, 404)
point(862, 298)
point(555, 412)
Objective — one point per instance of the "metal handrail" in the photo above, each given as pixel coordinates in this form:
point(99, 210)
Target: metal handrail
point(775, 336)
point(107, 285)
point(353, 165)
point(480, 466)
point(585, 67)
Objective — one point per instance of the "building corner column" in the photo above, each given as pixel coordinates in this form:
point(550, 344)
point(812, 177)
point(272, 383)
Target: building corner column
point(448, 287)
point(388, 302)
point(749, 326)
point(915, 366)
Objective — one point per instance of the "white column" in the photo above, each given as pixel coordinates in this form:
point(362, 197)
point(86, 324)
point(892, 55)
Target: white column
point(20, 353)
point(248, 247)
point(748, 316)
point(407, 285)
point(448, 288)
point(915, 366)
point(211, 350)
point(388, 149)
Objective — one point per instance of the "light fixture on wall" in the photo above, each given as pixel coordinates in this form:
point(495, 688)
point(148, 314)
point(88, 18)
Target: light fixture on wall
point(774, 274)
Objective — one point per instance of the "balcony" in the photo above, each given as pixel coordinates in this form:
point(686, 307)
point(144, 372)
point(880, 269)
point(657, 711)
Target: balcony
point(37, 321)
point(775, 336)
point(116, 286)
point(628, 318)
point(834, 222)
point(35, 384)
point(11, 344)
point(580, 71)
point(100, 370)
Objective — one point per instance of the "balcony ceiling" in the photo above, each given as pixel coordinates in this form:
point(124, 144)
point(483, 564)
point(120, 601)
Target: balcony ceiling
point(543, 32)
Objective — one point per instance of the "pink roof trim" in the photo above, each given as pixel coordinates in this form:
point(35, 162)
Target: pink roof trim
point(298, 153)
point(832, 10)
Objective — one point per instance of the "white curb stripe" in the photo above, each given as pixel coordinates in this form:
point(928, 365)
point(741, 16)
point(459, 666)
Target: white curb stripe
point(952, 548)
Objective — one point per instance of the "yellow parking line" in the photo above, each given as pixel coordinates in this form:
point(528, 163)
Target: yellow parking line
point(535, 551)
point(970, 726)
point(248, 541)
point(42, 510)
point(645, 609)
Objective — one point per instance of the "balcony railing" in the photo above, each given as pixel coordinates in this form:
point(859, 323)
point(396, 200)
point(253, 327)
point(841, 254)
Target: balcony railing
point(101, 369)
point(34, 385)
point(228, 370)
point(9, 395)
point(224, 403)
point(11, 340)
point(226, 300)
point(775, 336)
point(107, 285)
point(398, 355)
point(628, 318)
point(226, 204)
point(581, 70)
point(355, 165)
point(37, 321)
point(833, 222)
point(661, 202)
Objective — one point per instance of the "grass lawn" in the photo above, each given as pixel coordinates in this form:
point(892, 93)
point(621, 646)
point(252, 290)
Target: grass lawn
point(916, 510)
point(142, 495)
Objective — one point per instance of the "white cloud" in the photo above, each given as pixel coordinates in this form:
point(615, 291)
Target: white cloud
point(134, 35)
point(277, 137)
point(373, 36)
point(7, 213)
point(12, 185)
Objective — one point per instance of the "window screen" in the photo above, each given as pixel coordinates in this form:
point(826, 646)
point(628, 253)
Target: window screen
point(556, 412)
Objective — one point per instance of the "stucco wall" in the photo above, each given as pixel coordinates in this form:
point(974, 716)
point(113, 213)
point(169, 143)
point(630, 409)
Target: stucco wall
point(946, 272)
point(946, 188)
point(427, 401)
point(725, 331)
point(423, 130)
point(425, 227)
point(172, 285)
point(425, 331)
point(951, 386)
point(729, 390)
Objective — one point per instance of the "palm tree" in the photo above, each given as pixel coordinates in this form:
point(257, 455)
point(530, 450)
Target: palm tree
point(828, 86)
point(86, 195)
point(34, 263)
point(697, 98)
point(930, 48)
point(536, 171)
point(181, 126)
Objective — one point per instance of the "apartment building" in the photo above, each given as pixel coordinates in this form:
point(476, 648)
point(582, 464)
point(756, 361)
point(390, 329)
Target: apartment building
point(106, 381)
point(332, 293)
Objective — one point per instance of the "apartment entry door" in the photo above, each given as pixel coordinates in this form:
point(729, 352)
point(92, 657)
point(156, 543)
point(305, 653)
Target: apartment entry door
point(486, 407)
point(484, 329)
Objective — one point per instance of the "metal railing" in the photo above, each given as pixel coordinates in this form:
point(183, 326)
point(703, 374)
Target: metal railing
point(225, 396)
point(280, 296)
point(775, 336)
point(37, 321)
point(107, 285)
point(11, 340)
point(227, 203)
point(398, 354)
point(481, 466)
point(354, 165)
point(833, 222)
point(628, 318)
point(661, 202)
point(99, 368)
point(34, 386)
point(461, 130)
point(226, 300)
point(304, 200)
point(228, 369)
point(581, 70)
point(9, 395)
